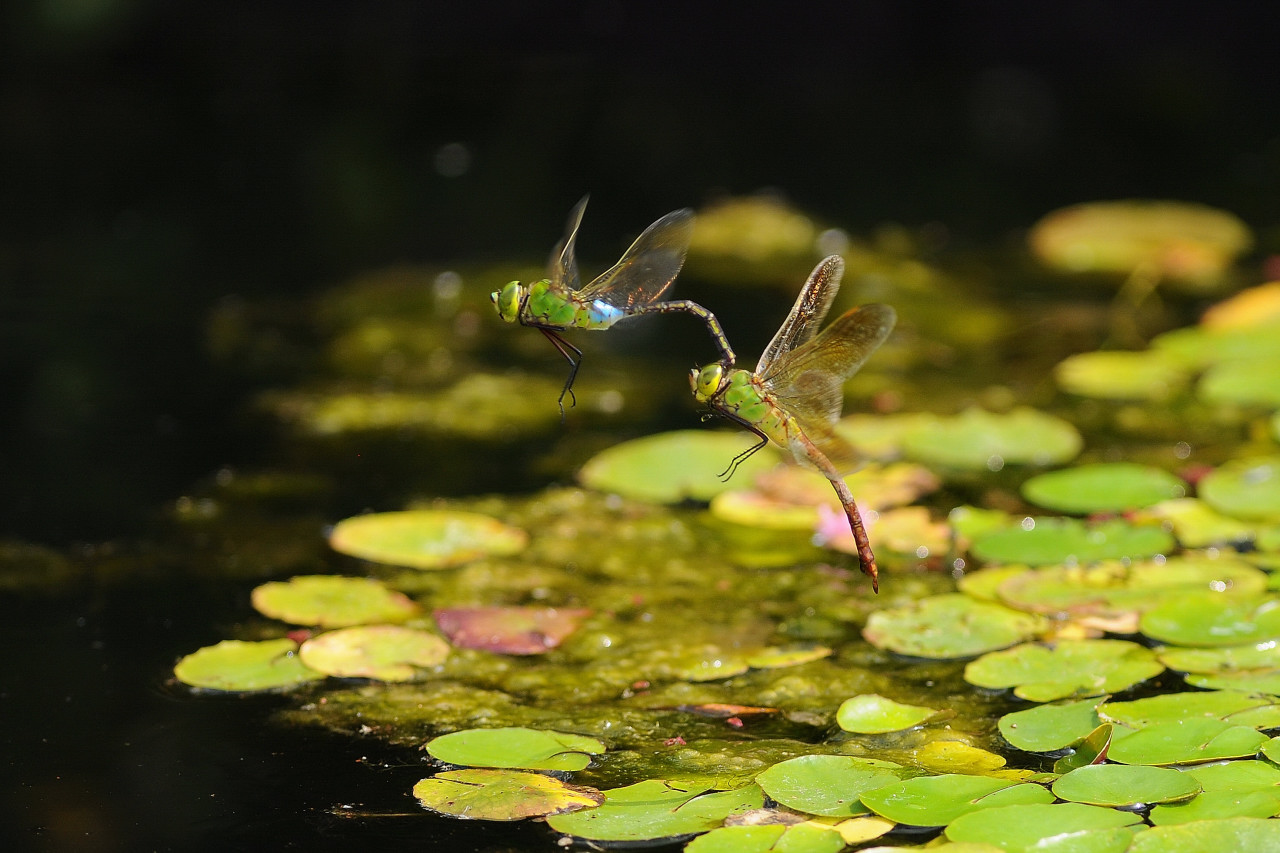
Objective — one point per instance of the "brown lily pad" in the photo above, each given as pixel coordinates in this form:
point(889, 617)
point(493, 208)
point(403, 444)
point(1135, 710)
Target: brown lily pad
point(509, 630)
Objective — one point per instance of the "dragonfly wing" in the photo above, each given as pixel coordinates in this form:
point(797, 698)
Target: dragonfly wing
point(807, 314)
point(562, 269)
point(646, 270)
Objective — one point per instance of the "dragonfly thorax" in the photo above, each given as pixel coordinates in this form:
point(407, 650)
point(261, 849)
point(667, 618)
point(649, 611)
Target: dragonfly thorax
point(510, 300)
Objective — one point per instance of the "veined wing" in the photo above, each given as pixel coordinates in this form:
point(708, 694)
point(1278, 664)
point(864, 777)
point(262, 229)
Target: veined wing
point(807, 314)
point(562, 269)
point(645, 270)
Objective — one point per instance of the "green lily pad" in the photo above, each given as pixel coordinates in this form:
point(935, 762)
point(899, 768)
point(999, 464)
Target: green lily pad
point(675, 466)
point(1102, 487)
point(1265, 681)
point(780, 657)
point(1070, 668)
point(502, 795)
point(1196, 524)
point(1198, 346)
point(509, 630)
point(330, 601)
point(1246, 488)
point(1251, 382)
point(1204, 620)
point(383, 652)
point(1123, 785)
point(800, 838)
point(1216, 805)
point(240, 666)
point(426, 539)
point(971, 522)
point(946, 627)
point(1236, 775)
point(978, 440)
point(1191, 741)
point(515, 747)
point(1032, 827)
point(1092, 749)
point(939, 800)
point(1271, 749)
point(874, 714)
point(1222, 660)
point(1235, 707)
point(1046, 728)
point(880, 436)
point(656, 809)
point(1110, 375)
point(1038, 541)
point(1231, 833)
point(828, 784)
point(955, 756)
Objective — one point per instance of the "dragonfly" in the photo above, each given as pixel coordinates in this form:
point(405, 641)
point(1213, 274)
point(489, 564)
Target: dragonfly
point(795, 395)
point(632, 286)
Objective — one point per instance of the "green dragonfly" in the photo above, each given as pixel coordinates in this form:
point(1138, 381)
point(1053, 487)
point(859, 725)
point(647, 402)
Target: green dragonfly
point(795, 395)
point(630, 287)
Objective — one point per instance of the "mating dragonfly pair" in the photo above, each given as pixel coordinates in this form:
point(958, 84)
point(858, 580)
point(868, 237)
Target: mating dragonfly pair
point(793, 397)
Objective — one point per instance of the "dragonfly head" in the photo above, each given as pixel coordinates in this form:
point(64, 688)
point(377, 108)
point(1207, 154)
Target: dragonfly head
point(510, 300)
point(707, 382)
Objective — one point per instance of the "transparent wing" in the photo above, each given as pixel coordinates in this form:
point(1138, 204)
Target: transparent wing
point(647, 269)
point(807, 314)
point(562, 269)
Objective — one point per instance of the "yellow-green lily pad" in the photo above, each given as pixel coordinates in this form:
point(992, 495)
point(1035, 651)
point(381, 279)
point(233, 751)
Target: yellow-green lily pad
point(671, 467)
point(1197, 346)
point(1153, 375)
point(656, 809)
point(939, 800)
point(1217, 805)
point(777, 657)
point(331, 601)
point(1246, 488)
point(1236, 707)
point(1120, 785)
point(828, 784)
point(484, 794)
point(1223, 660)
point(1229, 833)
point(1213, 620)
point(1069, 668)
point(804, 837)
point(515, 747)
point(1036, 826)
point(1196, 524)
point(980, 440)
point(1046, 728)
point(426, 539)
point(1102, 487)
point(382, 652)
point(1192, 741)
point(243, 666)
point(1038, 541)
point(871, 713)
point(945, 627)
point(1242, 382)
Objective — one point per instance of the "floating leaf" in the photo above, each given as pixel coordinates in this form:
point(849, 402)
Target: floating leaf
point(1217, 805)
point(1019, 828)
point(1200, 347)
point(828, 784)
point(331, 601)
point(1232, 833)
point(656, 809)
point(979, 440)
point(1091, 750)
point(1223, 660)
point(1203, 620)
point(1246, 488)
point(1243, 382)
point(939, 800)
point(1232, 706)
point(779, 657)
point(502, 795)
point(1124, 786)
point(880, 436)
point(237, 665)
point(515, 747)
point(1191, 741)
point(874, 714)
point(674, 466)
point(1071, 668)
point(384, 652)
point(1265, 681)
point(1196, 524)
point(509, 630)
point(1102, 487)
point(949, 626)
point(1148, 375)
point(800, 838)
point(1046, 728)
point(426, 539)
point(1037, 541)
point(953, 756)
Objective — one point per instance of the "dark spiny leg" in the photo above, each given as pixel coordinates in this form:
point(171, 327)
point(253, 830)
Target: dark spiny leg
point(866, 558)
point(684, 306)
point(564, 348)
point(728, 473)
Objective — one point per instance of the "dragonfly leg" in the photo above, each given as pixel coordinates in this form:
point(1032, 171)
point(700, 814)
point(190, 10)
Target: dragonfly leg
point(573, 355)
point(684, 306)
point(866, 557)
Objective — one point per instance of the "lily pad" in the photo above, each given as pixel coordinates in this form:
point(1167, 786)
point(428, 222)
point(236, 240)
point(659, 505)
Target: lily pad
point(1217, 805)
point(1071, 668)
point(1253, 306)
point(241, 666)
point(1232, 833)
point(382, 652)
point(509, 630)
point(1102, 487)
point(1203, 620)
point(1257, 681)
point(1046, 728)
point(779, 657)
point(979, 440)
point(874, 714)
point(515, 747)
point(946, 627)
point(1231, 706)
point(955, 756)
point(799, 838)
point(828, 784)
point(656, 809)
point(1241, 382)
point(426, 539)
point(1113, 375)
point(1222, 660)
point(1032, 827)
point(1247, 488)
point(1191, 741)
point(330, 601)
point(675, 466)
point(939, 800)
point(482, 794)
point(1092, 749)
point(1197, 346)
point(1038, 541)
point(1122, 786)
point(1196, 524)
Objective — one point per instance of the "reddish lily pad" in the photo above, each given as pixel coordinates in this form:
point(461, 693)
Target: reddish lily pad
point(426, 539)
point(509, 630)
point(483, 794)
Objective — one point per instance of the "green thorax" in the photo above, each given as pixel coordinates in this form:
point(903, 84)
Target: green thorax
point(556, 309)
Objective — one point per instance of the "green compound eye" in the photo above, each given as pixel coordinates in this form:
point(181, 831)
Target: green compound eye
point(508, 301)
point(706, 382)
